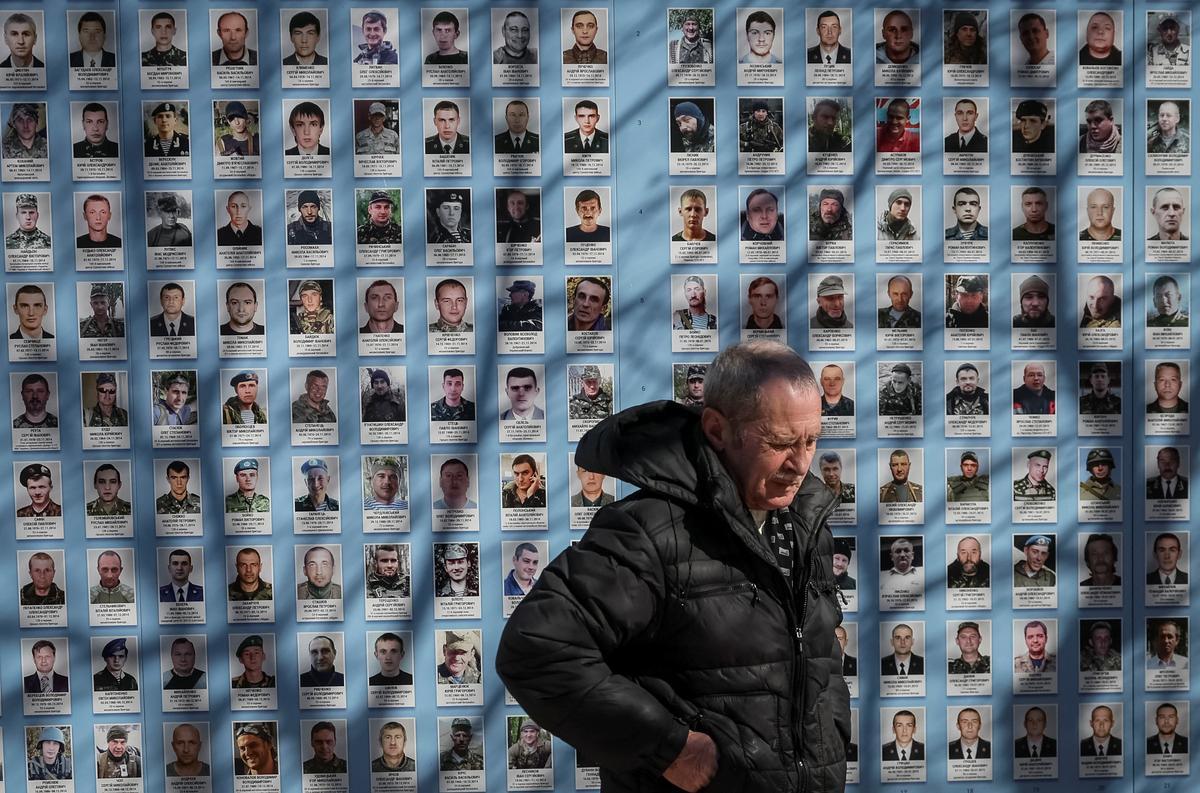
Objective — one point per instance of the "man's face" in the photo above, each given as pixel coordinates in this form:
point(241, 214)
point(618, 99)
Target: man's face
point(247, 392)
point(321, 654)
point(95, 126)
point(316, 480)
point(902, 555)
point(249, 565)
point(687, 125)
point(516, 33)
point(1031, 127)
point(1168, 639)
point(1035, 640)
point(1099, 381)
point(304, 40)
point(183, 658)
point(1099, 125)
point(1034, 36)
point(444, 35)
point(1166, 719)
point(899, 208)
point(373, 33)
point(247, 480)
point(41, 573)
point(20, 37)
point(585, 28)
point(380, 212)
point(380, 301)
point(1102, 722)
point(829, 29)
point(318, 568)
point(762, 213)
point(255, 754)
point(1167, 383)
point(529, 735)
point(1100, 208)
point(109, 567)
point(456, 569)
point(39, 490)
point(1035, 376)
point(966, 115)
point(762, 301)
point(841, 564)
point(309, 213)
point(760, 115)
point(163, 31)
point(1034, 206)
point(832, 381)
point(587, 118)
point(323, 744)
point(185, 742)
point(392, 741)
point(588, 304)
point(1168, 464)
point(524, 475)
point(30, 308)
point(97, 214)
point(518, 205)
point(238, 209)
point(968, 725)
point(1166, 552)
point(1100, 641)
point(968, 381)
point(589, 481)
point(691, 29)
point(1035, 723)
point(35, 396)
point(693, 291)
point(43, 660)
point(1168, 211)
point(693, 211)
point(904, 727)
point(315, 388)
point(899, 293)
point(760, 36)
point(171, 301)
point(242, 305)
point(833, 305)
point(164, 122)
point(899, 465)
point(50, 750)
point(116, 747)
point(452, 388)
point(695, 388)
point(454, 481)
point(385, 484)
point(1101, 471)
point(455, 659)
point(100, 306)
point(526, 565)
point(1100, 557)
point(461, 740)
point(178, 482)
point(522, 393)
point(389, 655)
point(180, 567)
point(232, 30)
point(387, 564)
point(969, 468)
point(1034, 305)
point(1101, 32)
point(897, 33)
point(449, 214)
point(969, 555)
point(1036, 555)
point(830, 209)
point(1037, 469)
point(307, 131)
point(446, 121)
point(1169, 35)
point(519, 297)
point(1100, 297)
point(91, 36)
point(27, 218)
point(116, 662)
point(902, 640)
point(966, 208)
point(380, 387)
point(516, 115)
point(897, 119)
point(591, 386)
point(969, 302)
point(588, 212)
point(900, 381)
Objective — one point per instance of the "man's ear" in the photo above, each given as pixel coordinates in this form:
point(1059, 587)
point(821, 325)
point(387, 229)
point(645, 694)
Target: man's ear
point(715, 427)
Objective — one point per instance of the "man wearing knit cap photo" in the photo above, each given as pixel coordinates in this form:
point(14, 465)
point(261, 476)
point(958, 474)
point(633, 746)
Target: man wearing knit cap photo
point(759, 131)
point(1034, 296)
point(894, 223)
point(310, 227)
point(828, 217)
point(693, 128)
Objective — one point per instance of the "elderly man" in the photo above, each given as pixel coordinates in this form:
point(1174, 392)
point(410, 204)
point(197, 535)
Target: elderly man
point(1032, 571)
point(829, 218)
point(968, 570)
point(738, 465)
point(1102, 306)
point(831, 304)
point(1033, 396)
point(894, 223)
point(1033, 486)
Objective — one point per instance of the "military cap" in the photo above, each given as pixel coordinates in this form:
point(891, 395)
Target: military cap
point(99, 290)
point(759, 104)
point(1034, 283)
point(170, 378)
point(310, 286)
point(26, 200)
point(113, 647)
point(243, 377)
point(245, 464)
point(377, 109)
point(439, 197)
point(454, 551)
point(590, 373)
point(902, 368)
point(1099, 625)
point(168, 203)
point(33, 471)
point(965, 19)
point(697, 372)
point(962, 626)
point(165, 107)
point(380, 374)
point(1040, 540)
point(26, 109)
point(385, 462)
point(115, 732)
point(970, 283)
point(257, 730)
point(830, 192)
point(253, 640)
point(106, 378)
point(235, 109)
point(314, 462)
point(831, 285)
point(1100, 457)
point(523, 285)
point(1031, 107)
point(308, 197)
point(381, 195)
point(459, 640)
point(843, 546)
point(530, 724)
point(1099, 367)
point(52, 734)
point(1168, 22)
point(1043, 453)
point(897, 194)
point(461, 724)
point(968, 455)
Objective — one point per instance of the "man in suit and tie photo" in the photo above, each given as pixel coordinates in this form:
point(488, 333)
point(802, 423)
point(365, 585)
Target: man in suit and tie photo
point(1167, 553)
point(1166, 740)
point(1035, 742)
point(904, 747)
point(92, 30)
point(830, 49)
point(902, 661)
point(967, 137)
point(969, 745)
point(587, 138)
point(172, 321)
point(1169, 483)
point(516, 138)
point(849, 662)
point(1101, 743)
point(44, 680)
point(180, 589)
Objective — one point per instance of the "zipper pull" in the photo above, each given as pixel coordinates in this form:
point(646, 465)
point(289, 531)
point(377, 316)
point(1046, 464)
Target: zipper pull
point(800, 634)
point(754, 595)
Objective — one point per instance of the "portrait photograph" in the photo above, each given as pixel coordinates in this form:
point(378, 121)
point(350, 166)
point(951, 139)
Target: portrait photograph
point(304, 44)
point(92, 46)
point(163, 45)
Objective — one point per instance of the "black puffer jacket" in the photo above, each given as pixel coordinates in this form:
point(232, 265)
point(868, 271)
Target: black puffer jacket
point(672, 613)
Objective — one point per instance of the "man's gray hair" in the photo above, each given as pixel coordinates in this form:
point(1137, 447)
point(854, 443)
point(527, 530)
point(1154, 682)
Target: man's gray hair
point(742, 370)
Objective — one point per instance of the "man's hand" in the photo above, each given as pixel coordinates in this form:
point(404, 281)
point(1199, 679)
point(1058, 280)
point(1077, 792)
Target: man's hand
point(696, 765)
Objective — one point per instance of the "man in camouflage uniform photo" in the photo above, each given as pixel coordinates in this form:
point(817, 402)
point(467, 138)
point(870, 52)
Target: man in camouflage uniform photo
point(311, 316)
point(900, 396)
point(1032, 570)
point(107, 482)
point(693, 394)
point(377, 138)
point(312, 407)
point(38, 483)
point(316, 478)
point(592, 402)
point(245, 499)
point(760, 132)
point(164, 52)
point(101, 324)
point(106, 412)
point(1033, 486)
point(380, 228)
point(177, 500)
point(1101, 400)
point(243, 407)
point(1099, 486)
point(969, 485)
point(460, 756)
point(831, 475)
point(27, 236)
